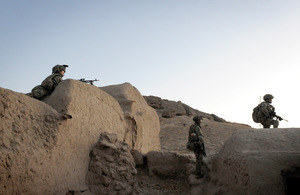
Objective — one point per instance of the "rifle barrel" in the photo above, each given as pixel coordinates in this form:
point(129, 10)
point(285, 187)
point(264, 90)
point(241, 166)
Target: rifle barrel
point(88, 81)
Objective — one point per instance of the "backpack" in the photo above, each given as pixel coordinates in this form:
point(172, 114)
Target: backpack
point(255, 114)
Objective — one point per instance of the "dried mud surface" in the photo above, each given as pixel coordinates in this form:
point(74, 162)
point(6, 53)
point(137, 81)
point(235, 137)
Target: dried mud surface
point(173, 136)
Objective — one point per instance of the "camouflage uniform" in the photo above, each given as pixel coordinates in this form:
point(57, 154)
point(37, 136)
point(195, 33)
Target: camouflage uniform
point(267, 113)
point(50, 83)
point(197, 142)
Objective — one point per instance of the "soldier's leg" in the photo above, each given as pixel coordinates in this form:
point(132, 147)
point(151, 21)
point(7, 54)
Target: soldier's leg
point(199, 162)
point(269, 122)
point(265, 125)
point(38, 92)
point(275, 123)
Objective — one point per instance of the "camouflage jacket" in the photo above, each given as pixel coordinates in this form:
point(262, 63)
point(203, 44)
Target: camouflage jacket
point(52, 81)
point(195, 133)
point(267, 110)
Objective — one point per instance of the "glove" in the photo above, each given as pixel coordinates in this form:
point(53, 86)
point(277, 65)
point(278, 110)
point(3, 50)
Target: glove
point(272, 113)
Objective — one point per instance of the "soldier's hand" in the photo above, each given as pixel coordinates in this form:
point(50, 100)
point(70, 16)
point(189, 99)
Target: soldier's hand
point(204, 153)
point(272, 113)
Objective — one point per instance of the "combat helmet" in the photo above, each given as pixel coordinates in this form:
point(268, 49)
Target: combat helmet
point(197, 118)
point(58, 68)
point(268, 97)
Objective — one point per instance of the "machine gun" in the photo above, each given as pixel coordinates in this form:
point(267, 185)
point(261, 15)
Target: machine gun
point(88, 81)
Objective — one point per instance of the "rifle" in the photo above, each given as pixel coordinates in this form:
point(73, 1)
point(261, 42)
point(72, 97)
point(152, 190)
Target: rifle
point(278, 117)
point(88, 81)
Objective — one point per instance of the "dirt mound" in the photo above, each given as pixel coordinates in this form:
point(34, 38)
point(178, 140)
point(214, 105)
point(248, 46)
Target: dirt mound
point(112, 168)
point(143, 127)
point(29, 131)
point(168, 109)
point(252, 161)
point(43, 153)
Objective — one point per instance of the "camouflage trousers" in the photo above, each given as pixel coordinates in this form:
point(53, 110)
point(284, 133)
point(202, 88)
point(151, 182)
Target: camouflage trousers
point(199, 161)
point(39, 92)
point(268, 122)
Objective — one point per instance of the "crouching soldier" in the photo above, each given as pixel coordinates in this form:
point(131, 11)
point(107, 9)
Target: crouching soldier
point(49, 84)
point(196, 144)
point(266, 113)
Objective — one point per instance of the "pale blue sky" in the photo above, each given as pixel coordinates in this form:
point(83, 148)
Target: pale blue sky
point(216, 56)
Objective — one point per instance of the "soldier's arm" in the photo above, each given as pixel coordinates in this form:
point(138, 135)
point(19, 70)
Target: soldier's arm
point(264, 109)
point(272, 110)
point(56, 80)
point(199, 134)
point(47, 83)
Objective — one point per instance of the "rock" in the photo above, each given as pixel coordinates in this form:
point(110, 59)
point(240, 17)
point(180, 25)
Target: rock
point(138, 157)
point(143, 127)
point(217, 119)
point(252, 161)
point(112, 168)
point(170, 109)
point(165, 108)
point(170, 165)
point(29, 132)
point(154, 102)
point(168, 113)
point(193, 112)
point(175, 107)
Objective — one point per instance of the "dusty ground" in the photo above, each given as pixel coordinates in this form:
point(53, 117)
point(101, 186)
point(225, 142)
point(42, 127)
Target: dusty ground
point(151, 185)
point(173, 136)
